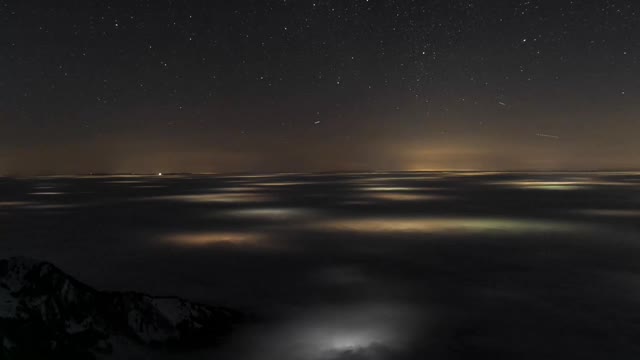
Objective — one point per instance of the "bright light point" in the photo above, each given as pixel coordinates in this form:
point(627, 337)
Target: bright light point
point(159, 174)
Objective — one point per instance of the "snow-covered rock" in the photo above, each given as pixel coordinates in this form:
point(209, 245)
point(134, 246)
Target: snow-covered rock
point(45, 312)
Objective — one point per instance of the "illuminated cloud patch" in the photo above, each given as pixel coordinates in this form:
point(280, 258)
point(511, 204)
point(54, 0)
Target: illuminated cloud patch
point(272, 214)
point(346, 332)
point(402, 196)
point(222, 197)
point(580, 183)
point(388, 188)
point(447, 226)
point(544, 185)
point(201, 239)
point(15, 204)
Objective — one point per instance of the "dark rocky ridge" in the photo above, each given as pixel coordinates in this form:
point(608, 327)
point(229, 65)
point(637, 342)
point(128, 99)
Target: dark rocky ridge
point(46, 313)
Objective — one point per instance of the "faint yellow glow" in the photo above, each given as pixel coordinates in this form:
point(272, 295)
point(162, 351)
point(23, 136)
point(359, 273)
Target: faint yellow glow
point(15, 203)
point(387, 188)
point(272, 213)
point(390, 196)
point(260, 176)
point(573, 183)
point(545, 185)
point(213, 238)
point(236, 197)
point(375, 180)
point(50, 206)
point(450, 226)
point(283, 183)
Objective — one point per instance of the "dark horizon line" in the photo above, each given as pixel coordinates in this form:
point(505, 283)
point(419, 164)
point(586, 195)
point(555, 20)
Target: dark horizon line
point(246, 173)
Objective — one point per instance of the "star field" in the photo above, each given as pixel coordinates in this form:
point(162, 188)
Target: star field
point(145, 86)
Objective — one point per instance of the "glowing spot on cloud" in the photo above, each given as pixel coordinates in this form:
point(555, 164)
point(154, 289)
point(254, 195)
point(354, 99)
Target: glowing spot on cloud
point(272, 213)
point(546, 185)
point(13, 204)
point(50, 206)
point(330, 332)
point(231, 197)
point(567, 183)
point(392, 196)
point(446, 226)
point(387, 188)
point(476, 173)
point(214, 238)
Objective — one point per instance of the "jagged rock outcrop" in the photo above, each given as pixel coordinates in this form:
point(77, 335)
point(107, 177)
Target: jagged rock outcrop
point(46, 313)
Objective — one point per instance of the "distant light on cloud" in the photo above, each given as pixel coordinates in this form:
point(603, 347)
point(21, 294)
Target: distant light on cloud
point(272, 214)
point(387, 188)
point(331, 332)
point(15, 204)
point(199, 239)
point(545, 185)
point(222, 197)
point(448, 225)
point(402, 196)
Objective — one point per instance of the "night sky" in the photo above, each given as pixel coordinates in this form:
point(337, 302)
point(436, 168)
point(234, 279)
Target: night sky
point(297, 85)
